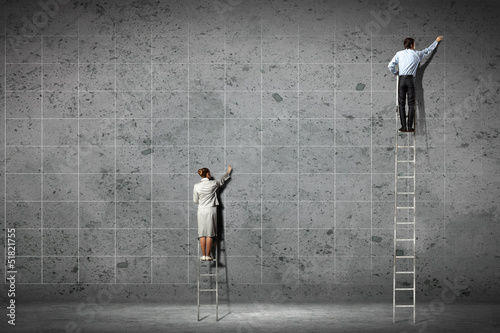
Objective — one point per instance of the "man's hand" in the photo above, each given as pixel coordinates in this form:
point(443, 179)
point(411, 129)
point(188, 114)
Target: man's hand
point(440, 38)
point(229, 169)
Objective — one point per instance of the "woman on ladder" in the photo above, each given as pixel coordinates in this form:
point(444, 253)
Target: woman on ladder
point(205, 195)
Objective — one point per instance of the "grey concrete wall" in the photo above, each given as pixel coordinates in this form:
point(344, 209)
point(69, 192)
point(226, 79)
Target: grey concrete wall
point(112, 106)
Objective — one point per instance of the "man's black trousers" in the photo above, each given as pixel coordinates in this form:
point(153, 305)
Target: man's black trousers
point(406, 86)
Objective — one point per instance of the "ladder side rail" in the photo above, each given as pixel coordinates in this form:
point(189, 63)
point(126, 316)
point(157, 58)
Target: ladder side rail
point(395, 224)
point(395, 208)
point(198, 283)
point(217, 280)
point(414, 219)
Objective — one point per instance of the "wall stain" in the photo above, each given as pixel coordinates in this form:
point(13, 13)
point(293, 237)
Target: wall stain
point(147, 151)
point(277, 97)
point(122, 264)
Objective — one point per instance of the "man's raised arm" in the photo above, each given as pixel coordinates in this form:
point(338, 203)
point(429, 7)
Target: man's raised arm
point(427, 51)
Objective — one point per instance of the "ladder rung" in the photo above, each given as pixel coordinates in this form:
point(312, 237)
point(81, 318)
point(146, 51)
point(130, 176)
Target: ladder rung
point(206, 305)
point(208, 274)
point(405, 239)
point(406, 176)
point(405, 207)
point(404, 288)
point(405, 146)
point(208, 289)
point(405, 222)
point(406, 257)
point(405, 192)
point(405, 272)
point(406, 161)
point(208, 260)
point(404, 306)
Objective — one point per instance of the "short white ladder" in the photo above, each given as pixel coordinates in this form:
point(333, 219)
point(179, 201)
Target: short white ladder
point(205, 271)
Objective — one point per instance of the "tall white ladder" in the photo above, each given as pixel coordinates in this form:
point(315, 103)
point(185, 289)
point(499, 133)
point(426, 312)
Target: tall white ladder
point(208, 273)
point(404, 272)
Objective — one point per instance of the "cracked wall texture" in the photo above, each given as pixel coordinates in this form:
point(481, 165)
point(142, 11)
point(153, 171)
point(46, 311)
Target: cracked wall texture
point(110, 107)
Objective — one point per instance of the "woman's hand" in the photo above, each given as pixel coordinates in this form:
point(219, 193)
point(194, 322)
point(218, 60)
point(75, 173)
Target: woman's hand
point(229, 169)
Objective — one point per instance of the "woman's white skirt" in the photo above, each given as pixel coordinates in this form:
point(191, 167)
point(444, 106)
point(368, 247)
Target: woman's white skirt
point(207, 221)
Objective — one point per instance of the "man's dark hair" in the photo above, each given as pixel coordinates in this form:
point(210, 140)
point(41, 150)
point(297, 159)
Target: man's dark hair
point(409, 42)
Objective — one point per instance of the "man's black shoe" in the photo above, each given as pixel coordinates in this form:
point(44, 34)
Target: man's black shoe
point(403, 129)
point(409, 129)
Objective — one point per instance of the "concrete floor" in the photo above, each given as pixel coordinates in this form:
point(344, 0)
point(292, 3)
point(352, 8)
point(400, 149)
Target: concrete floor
point(346, 317)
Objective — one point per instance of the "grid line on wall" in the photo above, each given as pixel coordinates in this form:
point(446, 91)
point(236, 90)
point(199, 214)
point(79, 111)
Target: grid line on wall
point(444, 155)
point(214, 118)
point(223, 226)
point(180, 228)
point(198, 91)
point(334, 161)
point(41, 160)
point(151, 145)
point(115, 146)
point(177, 173)
point(371, 155)
point(78, 141)
point(177, 283)
point(261, 156)
point(298, 153)
point(180, 146)
point(188, 147)
point(201, 63)
point(183, 256)
point(5, 137)
point(237, 200)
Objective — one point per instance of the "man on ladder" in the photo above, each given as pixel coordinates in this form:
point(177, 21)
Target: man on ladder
point(407, 61)
point(405, 178)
